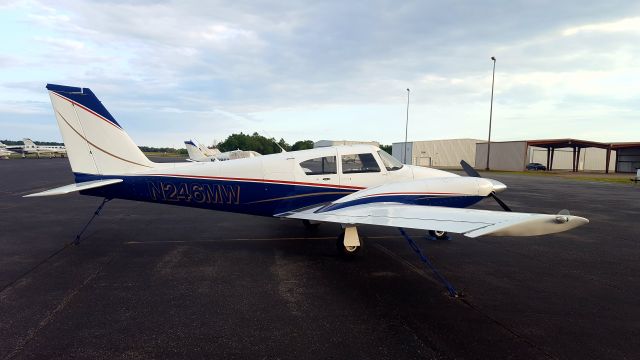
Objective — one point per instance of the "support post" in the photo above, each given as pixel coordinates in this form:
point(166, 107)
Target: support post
point(574, 159)
point(548, 158)
point(608, 160)
point(578, 160)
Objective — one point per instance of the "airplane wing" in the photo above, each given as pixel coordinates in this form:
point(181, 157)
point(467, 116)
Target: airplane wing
point(76, 187)
point(470, 222)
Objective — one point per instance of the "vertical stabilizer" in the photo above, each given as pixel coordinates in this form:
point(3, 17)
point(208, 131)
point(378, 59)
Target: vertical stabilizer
point(95, 142)
point(196, 152)
point(29, 143)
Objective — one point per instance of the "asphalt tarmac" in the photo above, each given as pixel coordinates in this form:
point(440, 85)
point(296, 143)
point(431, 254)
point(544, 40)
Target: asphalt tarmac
point(156, 281)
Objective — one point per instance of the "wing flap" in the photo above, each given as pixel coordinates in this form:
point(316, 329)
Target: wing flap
point(471, 222)
point(76, 187)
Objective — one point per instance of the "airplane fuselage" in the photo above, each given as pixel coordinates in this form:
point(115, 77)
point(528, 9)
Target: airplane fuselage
point(273, 184)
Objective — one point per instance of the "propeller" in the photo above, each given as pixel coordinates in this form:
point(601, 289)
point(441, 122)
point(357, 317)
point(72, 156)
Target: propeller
point(473, 173)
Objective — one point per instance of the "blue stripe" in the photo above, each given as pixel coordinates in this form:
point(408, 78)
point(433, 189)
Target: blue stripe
point(246, 197)
point(256, 198)
point(456, 201)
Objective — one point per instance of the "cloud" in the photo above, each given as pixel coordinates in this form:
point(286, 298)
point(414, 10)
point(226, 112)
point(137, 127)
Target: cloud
point(235, 66)
point(629, 25)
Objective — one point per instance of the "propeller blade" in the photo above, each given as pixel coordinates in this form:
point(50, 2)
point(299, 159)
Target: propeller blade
point(469, 169)
point(500, 202)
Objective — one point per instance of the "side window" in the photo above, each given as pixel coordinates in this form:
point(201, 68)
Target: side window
point(359, 163)
point(318, 166)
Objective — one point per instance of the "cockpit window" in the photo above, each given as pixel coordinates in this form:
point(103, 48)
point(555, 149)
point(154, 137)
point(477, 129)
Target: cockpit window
point(389, 161)
point(321, 165)
point(359, 163)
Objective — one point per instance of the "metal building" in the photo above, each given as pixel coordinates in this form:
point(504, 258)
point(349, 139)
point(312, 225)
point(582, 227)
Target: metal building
point(436, 153)
point(558, 154)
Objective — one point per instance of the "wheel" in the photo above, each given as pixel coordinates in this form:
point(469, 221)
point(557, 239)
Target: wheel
point(439, 234)
point(309, 225)
point(348, 251)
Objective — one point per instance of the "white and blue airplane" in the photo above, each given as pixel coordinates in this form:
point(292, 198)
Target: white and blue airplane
point(350, 185)
point(200, 153)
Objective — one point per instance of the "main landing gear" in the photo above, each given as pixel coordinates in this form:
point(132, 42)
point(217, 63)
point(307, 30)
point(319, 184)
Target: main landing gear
point(438, 235)
point(349, 243)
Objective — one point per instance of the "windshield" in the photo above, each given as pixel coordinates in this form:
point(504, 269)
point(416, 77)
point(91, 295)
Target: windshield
point(389, 161)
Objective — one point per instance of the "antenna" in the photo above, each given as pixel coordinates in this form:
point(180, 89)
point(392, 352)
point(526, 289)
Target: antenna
point(274, 140)
point(406, 129)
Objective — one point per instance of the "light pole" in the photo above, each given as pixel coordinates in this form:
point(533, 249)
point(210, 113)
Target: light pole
point(493, 79)
point(406, 128)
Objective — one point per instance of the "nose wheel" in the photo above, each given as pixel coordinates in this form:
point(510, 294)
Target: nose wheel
point(438, 235)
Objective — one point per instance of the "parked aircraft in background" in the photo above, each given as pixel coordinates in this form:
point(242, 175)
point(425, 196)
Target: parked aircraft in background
point(31, 148)
point(4, 152)
point(200, 153)
point(349, 185)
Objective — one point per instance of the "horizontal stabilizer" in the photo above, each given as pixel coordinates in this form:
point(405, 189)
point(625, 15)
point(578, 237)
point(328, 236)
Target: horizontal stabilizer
point(76, 187)
point(470, 222)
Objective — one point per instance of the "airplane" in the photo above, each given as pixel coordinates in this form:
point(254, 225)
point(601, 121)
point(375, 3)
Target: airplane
point(350, 185)
point(200, 153)
point(4, 152)
point(30, 147)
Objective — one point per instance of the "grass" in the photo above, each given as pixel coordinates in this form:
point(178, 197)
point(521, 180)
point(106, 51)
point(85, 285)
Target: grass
point(614, 178)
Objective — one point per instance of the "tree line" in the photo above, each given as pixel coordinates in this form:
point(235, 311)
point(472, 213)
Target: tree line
point(254, 142)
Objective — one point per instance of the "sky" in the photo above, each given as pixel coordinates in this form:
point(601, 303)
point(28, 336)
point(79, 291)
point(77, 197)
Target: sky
point(175, 70)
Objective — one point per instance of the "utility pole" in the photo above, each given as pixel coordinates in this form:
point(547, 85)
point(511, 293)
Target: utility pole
point(406, 128)
point(493, 79)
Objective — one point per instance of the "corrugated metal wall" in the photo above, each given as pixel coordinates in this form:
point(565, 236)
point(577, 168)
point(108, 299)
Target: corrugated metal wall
point(397, 150)
point(439, 153)
point(507, 156)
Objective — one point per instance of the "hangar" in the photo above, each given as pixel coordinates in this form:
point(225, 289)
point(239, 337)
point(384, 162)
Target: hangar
point(556, 154)
point(437, 153)
point(628, 156)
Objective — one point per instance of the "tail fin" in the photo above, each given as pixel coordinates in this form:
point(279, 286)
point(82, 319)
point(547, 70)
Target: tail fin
point(29, 143)
point(195, 152)
point(95, 142)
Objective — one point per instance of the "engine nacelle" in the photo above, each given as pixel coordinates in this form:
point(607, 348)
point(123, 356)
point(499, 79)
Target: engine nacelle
point(447, 191)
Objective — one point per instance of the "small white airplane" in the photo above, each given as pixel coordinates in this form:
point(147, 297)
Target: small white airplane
point(349, 185)
point(4, 152)
point(200, 153)
point(30, 147)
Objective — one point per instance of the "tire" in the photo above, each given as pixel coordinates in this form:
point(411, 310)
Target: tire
point(349, 252)
point(439, 235)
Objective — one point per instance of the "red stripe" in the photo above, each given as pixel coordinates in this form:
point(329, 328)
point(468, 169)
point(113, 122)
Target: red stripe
point(89, 110)
point(261, 180)
point(414, 193)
